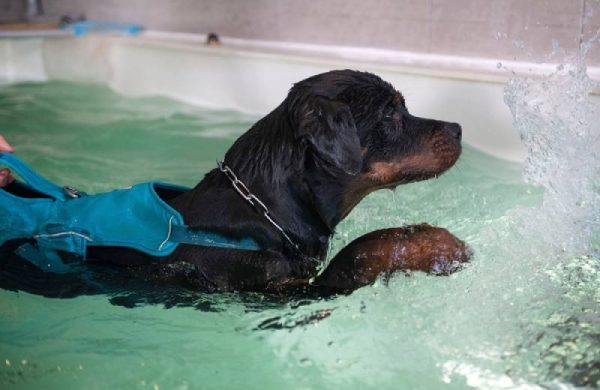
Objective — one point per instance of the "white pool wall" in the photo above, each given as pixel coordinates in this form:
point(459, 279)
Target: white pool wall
point(254, 76)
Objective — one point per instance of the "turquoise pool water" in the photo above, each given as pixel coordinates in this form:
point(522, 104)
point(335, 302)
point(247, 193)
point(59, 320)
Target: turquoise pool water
point(519, 315)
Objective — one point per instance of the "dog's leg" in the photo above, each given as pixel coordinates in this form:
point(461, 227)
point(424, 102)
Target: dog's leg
point(218, 269)
point(418, 247)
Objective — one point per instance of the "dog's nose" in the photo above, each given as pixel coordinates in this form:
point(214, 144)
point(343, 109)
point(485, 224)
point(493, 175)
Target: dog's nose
point(454, 130)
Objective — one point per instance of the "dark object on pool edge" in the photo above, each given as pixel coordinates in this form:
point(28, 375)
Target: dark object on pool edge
point(337, 137)
point(212, 39)
point(413, 248)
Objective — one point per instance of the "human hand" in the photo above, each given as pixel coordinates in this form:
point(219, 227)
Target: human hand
point(4, 146)
point(5, 177)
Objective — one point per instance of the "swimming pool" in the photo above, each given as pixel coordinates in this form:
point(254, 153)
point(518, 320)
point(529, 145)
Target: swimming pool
point(520, 315)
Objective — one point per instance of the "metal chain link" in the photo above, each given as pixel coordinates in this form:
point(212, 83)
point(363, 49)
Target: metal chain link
point(241, 188)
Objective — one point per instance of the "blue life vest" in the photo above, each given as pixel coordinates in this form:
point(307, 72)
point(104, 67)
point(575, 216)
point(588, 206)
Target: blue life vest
point(61, 219)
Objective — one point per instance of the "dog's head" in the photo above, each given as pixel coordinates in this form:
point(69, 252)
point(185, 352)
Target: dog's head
point(355, 124)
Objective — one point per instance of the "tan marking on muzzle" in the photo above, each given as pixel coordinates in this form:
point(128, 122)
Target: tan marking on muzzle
point(386, 172)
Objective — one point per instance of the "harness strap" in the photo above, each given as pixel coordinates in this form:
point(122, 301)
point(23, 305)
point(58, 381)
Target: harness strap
point(31, 178)
point(182, 234)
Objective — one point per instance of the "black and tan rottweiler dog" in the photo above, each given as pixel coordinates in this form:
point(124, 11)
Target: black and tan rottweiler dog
point(336, 137)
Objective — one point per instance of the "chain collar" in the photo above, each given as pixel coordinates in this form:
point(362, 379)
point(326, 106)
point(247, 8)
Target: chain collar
point(241, 188)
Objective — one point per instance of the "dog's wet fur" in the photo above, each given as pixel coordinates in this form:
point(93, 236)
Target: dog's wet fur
point(336, 137)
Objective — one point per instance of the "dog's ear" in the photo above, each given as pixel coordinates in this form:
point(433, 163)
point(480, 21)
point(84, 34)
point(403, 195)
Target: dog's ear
point(329, 128)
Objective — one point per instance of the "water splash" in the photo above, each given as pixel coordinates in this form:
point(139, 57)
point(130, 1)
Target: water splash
point(557, 118)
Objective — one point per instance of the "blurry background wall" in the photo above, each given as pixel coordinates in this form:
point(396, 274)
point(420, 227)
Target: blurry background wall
point(502, 29)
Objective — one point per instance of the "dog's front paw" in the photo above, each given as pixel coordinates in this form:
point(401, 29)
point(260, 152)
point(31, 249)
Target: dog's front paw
point(411, 248)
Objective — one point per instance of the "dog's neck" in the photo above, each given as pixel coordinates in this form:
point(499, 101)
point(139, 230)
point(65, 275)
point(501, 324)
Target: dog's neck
point(271, 163)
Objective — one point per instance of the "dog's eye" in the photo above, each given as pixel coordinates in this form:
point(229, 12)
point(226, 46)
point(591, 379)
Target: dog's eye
point(389, 114)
